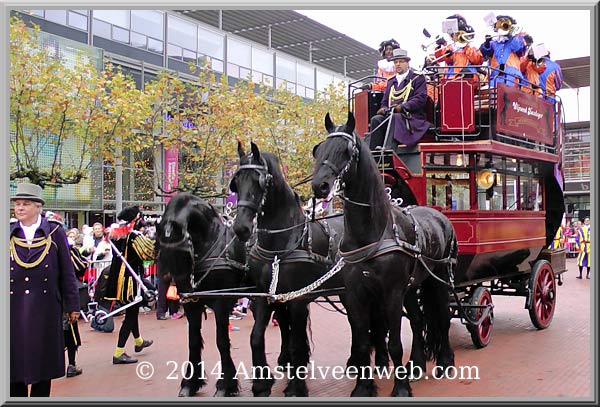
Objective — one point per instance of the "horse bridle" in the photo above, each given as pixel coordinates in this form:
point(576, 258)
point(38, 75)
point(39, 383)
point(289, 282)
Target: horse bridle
point(264, 182)
point(353, 152)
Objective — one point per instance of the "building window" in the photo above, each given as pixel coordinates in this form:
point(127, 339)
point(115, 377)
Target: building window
point(148, 22)
point(182, 33)
point(210, 43)
point(239, 53)
point(78, 21)
point(56, 16)
point(114, 17)
point(101, 29)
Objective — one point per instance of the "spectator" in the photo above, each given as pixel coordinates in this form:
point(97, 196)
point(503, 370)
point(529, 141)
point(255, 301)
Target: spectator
point(96, 246)
point(404, 98)
point(40, 272)
point(584, 247)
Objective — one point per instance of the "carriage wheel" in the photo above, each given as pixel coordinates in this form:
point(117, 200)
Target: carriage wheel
point(481, 334)
point(542, 300)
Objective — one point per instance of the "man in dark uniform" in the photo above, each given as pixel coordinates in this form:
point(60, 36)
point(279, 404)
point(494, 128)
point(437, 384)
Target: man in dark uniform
point(121, 286)
point(405, 98)
point(41, 281)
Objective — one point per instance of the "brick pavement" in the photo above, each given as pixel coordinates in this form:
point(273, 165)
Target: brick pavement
point(520, 362)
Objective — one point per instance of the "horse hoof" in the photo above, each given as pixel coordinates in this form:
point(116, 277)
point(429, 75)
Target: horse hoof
point(401, 393)
point(262, 393)
point(368, 389)
point(226, 393)
point(296, 389)
point(186, 391)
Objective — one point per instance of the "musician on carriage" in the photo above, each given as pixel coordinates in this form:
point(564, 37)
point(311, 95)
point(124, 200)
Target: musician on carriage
point(460, 53)
point(504, 52)
point(404, 98)
point(121, 287)
point(543, 74)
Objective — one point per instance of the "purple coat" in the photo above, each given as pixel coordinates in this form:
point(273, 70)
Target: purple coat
point(415, 104)
point(37, 296)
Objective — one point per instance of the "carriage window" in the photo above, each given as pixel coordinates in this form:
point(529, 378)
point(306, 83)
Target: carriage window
point(490, 197)
point(448, 190)
point(512, 192)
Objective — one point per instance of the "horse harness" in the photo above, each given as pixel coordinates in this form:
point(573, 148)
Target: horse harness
point(384, 246)
point(212, 259)
point(298, 254)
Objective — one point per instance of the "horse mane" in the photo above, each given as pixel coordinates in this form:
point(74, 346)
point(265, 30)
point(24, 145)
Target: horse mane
point(278, 181)
point(379, 202)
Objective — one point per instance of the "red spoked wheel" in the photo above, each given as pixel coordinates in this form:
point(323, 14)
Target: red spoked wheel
point(542, 300)
point(481, 334)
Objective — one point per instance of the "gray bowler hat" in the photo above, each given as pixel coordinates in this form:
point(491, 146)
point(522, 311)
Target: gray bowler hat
point(400, 53)
point(30, 192)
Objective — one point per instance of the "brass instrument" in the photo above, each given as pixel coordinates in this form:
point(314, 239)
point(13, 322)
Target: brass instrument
point(462, 37)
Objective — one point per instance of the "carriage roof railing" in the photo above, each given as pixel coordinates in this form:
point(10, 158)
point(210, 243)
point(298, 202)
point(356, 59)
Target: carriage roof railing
point(486, 103)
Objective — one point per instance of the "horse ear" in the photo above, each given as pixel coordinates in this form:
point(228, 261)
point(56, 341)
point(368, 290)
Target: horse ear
point(329, 124)
point(351, 123)
point(241, 152)
point(255, 151)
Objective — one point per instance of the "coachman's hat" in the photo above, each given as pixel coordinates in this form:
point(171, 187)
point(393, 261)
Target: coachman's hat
point(400, 53)
point(30, 192)
point(128, 214)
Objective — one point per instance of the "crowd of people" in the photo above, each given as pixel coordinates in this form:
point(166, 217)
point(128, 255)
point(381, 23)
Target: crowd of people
point(511, 55)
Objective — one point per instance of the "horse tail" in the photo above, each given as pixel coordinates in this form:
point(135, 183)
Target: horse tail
point(434, 300)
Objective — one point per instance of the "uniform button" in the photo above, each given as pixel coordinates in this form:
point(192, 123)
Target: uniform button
point(46, 266)
point(26, 291)
point(12, 280)
point(26, 278)
point(45, 291)
point(46, 279)
point(11, 293)
point(12, 269)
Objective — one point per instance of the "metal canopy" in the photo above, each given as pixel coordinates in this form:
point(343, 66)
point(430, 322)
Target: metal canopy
point(297, 35)
point(576, 72)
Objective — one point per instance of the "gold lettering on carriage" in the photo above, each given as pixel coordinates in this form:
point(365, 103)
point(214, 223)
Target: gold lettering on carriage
point(528, 110)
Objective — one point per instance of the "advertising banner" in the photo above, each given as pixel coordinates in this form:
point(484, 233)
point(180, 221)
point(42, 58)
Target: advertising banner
point(171, 170)
point(523, 115)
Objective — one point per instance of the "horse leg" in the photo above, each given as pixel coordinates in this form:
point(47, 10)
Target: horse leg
point(194, 369)
point(394, 302)
point(282, 317)
point(262, 377)
point(227, 385)
point(379, 335)
point(360, 353)
point(299, 349)
point(441, 314)
point(417, 352)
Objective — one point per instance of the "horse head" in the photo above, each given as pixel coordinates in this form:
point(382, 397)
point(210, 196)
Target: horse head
point(184, 231)
point(251, 182)
point(334, 155)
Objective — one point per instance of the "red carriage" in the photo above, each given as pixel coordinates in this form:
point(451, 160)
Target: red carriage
point(489, 162)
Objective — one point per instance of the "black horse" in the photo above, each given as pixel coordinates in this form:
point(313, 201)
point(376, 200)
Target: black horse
point(201, 253)
point(305, 251)
point(388, 250)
